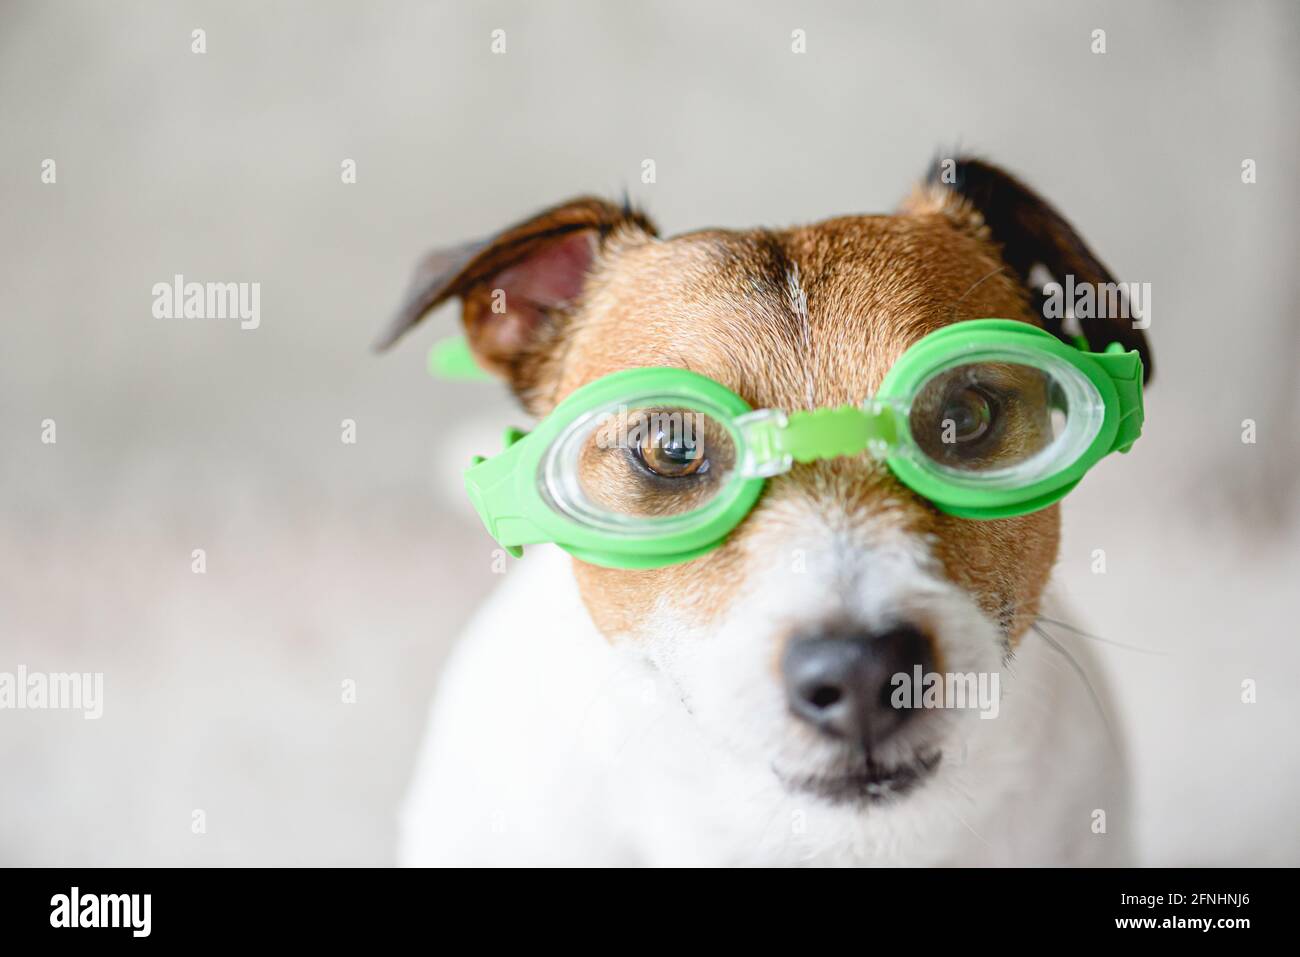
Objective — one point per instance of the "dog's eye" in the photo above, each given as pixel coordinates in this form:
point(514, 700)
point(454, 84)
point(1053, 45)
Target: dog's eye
point(967, 415)
point(984, 415)
point(671, 456)
point(654, 461)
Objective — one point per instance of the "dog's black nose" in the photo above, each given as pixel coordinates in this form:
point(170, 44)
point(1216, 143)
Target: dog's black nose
point(841, 680)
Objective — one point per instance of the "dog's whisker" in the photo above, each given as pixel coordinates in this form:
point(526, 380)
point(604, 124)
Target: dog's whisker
point(975, 285)
point(1106, 641)
point(1083, 676)
point(978, 836)
point(765, 829)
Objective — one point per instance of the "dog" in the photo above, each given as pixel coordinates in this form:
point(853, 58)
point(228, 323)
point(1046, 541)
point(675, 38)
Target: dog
point(605, 716)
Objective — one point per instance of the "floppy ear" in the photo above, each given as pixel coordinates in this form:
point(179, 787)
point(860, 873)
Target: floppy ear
point(513, 286)
point(993, 204)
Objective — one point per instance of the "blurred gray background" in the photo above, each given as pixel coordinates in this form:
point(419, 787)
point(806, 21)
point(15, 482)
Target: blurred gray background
point(328, 562)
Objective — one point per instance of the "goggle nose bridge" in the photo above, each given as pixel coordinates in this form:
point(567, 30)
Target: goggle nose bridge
point(774, 439)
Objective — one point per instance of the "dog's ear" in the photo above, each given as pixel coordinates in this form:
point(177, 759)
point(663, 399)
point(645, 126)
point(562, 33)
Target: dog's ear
point(992, 204)
point(513, 285)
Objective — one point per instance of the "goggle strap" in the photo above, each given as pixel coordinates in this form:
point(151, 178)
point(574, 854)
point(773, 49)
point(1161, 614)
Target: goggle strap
point(492, 488)
point(452, 358)
point(1124, 370)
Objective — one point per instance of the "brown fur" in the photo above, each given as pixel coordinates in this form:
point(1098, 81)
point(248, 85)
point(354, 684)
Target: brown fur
point(723, 303)
point(719, 304)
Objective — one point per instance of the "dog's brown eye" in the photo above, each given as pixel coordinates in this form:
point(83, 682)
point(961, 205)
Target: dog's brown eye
point(652, 461)
point(967, 416)
point(670, 455)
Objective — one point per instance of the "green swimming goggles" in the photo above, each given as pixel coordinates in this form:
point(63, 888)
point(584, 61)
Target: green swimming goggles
point(987, 418)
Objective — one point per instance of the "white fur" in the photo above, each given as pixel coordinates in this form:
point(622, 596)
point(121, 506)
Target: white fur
point(550, 745)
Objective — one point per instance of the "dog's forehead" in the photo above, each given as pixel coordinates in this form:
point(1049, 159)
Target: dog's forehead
point(794, 318)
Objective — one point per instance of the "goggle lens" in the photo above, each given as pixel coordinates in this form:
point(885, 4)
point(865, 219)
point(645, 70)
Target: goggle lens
point(1003, 419)
point(642, 464)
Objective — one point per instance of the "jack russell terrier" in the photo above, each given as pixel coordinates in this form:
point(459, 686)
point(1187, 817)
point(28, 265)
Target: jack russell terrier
point(804, 485)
